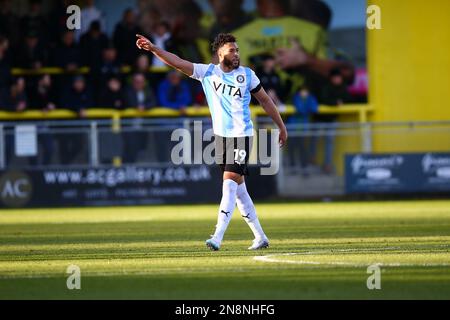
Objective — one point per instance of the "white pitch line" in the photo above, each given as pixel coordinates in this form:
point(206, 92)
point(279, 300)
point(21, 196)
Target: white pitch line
point(270, 258)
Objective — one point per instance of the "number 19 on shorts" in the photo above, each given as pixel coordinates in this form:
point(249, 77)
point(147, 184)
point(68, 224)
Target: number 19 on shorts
point(239, 155)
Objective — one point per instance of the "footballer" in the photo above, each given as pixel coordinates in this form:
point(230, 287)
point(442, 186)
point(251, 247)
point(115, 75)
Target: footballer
point(228, 87)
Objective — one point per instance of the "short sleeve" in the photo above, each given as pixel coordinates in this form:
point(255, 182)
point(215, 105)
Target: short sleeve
point(199, 71)
point(255, 84)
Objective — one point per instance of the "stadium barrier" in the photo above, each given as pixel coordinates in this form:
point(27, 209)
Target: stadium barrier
point(117, 118)
point(72, 162)
point(361, 111)
point(82, 171)
point(304, 176)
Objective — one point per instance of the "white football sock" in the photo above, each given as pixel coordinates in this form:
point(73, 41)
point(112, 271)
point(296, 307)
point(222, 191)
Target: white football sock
point(248, 212)
point(227, 205)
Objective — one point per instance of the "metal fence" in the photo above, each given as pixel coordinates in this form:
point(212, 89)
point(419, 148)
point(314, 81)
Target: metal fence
point(311, 164)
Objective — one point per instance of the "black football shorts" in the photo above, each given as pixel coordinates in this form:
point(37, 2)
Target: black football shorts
point(232, 154)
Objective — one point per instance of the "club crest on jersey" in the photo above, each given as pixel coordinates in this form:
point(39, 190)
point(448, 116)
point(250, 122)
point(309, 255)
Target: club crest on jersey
point(240, 78)
point(227, 89)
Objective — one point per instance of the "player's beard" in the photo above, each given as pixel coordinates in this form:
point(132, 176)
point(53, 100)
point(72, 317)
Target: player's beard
point(232, 64)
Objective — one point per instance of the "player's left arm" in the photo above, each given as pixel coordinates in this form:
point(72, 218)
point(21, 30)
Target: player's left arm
point(271, 109)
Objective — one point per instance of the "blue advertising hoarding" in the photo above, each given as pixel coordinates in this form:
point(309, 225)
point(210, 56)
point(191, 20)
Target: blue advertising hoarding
point(397, 173)
point(127, 185)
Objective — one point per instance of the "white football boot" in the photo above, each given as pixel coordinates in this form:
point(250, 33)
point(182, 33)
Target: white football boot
point(259, 244)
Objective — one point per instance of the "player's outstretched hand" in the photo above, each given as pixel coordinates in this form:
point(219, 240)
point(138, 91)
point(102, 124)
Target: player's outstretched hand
point(143, 43)
point(283, 137)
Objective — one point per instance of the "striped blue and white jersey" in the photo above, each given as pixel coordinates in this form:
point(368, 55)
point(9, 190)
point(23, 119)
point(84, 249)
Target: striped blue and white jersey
point(228, 95)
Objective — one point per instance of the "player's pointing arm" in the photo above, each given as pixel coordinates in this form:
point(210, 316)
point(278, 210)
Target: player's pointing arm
point(168, 58)
point(267, 103)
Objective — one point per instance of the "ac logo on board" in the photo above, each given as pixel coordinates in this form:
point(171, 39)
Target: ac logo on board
point(15, 189)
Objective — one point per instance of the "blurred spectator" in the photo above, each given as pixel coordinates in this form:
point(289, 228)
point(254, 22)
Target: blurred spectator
point(299, 46)
point(92, 45)
point(360, 86)
point(35, 22)
point(89, 14)
point(67, 54)
point(112, 96)
point(229, 16)
point(168, 10)
point(334, 93)
point(147, 16)
point(5, 63)
point(139, 95)
point(44, 98)
point(77, 97)
point(9, 23)
point(142, 64)
point(315, 11)
point(109, 66)
point(272, 8)
point(187, 39)
point(297, 57)
point(199, 98)
point(125, 37)
point(4, 99)
point(307, 54)
point(57, 21)
point(174, 92)
point(257, 40)
point(15, 99)
point(33, 54)
point(161, 35)
point(270, 80)
point(305, 105)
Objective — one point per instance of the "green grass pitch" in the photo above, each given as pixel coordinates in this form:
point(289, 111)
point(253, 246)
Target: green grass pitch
point(318, 251)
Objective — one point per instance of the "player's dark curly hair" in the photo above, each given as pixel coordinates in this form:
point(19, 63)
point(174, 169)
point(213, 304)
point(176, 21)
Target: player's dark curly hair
point(221, 39)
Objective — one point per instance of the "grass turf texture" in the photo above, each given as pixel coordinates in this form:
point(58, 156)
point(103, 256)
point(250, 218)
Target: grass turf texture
point(159, 252)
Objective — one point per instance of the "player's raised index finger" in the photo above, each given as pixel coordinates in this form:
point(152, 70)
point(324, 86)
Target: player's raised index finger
point(141, 37)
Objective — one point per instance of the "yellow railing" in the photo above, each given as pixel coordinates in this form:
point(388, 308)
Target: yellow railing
point(361, 111)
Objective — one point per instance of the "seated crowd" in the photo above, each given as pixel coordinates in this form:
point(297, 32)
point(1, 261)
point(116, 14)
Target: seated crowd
point(119, 76)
